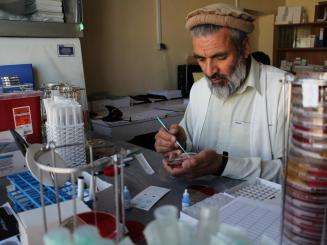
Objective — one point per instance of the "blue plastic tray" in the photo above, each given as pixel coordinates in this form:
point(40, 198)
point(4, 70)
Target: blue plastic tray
point(26, 193)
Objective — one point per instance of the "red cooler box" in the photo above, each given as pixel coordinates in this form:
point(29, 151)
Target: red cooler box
point(22, 111)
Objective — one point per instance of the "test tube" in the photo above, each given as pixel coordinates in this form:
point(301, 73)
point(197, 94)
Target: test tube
point(57, 236)
point(49, 113)
point(208, 224)
point(67, 115)
point(60, 115)
point(57, 109)
point(71, 115)
point(80, 187)
point(166, 216)
point(79, 114)
point(51, 116)
point(75, 120)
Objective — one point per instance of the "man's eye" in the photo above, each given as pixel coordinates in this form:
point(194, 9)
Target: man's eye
point(222, 57)
point(200, 59)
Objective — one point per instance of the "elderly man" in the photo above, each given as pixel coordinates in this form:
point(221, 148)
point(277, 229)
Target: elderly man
point(235, 117)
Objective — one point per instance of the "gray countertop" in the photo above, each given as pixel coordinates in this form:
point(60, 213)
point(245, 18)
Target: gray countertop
point(137, 180)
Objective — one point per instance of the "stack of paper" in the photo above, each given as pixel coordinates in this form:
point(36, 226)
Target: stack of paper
point(48, 10)
point(290, 15)
point(18, 7)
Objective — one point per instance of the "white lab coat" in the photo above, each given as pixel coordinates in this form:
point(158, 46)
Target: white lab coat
point(267, 120)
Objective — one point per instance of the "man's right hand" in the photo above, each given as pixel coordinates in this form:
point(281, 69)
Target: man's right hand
point(166, 141)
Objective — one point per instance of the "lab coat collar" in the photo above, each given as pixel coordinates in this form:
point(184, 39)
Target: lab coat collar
point(253, 78)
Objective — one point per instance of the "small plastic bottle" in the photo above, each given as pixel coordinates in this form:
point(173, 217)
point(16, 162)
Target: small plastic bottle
point(127, 198)
point(57, 236)
point(85, 235)
point(186, 199)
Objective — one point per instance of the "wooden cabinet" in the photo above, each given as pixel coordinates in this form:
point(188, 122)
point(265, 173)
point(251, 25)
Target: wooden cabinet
point(287, 36)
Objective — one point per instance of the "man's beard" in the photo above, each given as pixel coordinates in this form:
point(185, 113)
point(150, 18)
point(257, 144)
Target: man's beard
point(229, 84)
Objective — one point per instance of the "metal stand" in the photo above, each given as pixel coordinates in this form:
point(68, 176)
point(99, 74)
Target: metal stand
point(94, 166)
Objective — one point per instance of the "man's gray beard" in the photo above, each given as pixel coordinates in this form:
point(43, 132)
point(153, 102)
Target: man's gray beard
point(235, 80)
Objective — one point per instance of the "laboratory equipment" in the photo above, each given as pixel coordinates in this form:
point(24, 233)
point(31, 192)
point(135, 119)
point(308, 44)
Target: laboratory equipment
point(80, 187)
point(84, 235)
point(144, 163)
point(167, 229)
point(258, 189)
point(186, 199)
point(65, 127)
point(21, 111)
point(65, 89)
point(47, 158)
point(127, 198)
point(305, 192)
point(58, 236)
point(24, 193)
point(216, 201)
point(208, 224)
point(176, 161)
point(108, 225)
point(50, 67)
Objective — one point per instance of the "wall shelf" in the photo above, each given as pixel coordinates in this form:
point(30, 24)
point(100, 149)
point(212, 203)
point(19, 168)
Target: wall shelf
point(302, 24)
point(73, 15)
point(302, 49)
point(10, 28)
point(286, 34)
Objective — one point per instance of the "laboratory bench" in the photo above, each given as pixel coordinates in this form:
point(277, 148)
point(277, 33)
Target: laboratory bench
point(140, 119)
point(136, 179)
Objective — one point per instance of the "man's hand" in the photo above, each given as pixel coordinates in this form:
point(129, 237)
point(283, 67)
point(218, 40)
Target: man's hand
point(166, 141)
point(205, 163)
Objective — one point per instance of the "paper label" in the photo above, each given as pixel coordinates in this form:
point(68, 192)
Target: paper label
point(23, 119)
point(66, 50)
point(310, 93)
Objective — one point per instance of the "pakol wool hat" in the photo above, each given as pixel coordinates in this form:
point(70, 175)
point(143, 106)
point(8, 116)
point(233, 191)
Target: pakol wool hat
point(222, 15)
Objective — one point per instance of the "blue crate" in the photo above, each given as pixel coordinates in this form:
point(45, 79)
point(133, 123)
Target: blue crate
point(26, 193)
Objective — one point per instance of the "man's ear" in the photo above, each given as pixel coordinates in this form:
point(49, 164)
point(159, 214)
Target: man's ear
point(246, 48)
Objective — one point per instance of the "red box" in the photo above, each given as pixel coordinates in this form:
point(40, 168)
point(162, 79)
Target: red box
point(22, 111)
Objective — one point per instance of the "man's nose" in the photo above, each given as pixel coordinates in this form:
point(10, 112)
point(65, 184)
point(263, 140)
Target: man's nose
point(210, 68)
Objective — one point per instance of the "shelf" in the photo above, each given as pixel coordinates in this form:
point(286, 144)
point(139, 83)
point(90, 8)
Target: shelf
point(284, 35)
point(303, 24)
point(10, 28)
point(302, 49)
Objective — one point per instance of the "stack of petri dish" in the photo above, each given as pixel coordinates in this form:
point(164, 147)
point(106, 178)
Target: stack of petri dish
point(305, 200)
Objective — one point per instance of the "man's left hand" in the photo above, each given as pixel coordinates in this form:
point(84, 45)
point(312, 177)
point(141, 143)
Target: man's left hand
point(204, 163)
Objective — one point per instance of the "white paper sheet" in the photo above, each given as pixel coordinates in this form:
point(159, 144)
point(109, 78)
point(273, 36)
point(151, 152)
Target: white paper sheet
point(148, 197)
point(257, 218)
